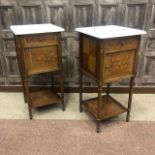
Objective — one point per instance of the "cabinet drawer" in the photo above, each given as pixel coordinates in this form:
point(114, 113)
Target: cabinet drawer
point(40, 40)
point(114, 45)
point(40, 60)
point(118, 65)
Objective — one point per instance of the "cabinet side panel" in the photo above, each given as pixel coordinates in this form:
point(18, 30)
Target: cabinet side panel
point(89, 55)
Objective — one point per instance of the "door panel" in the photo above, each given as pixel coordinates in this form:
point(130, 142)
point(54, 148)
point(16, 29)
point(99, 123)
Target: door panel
point(109, 12)
point(148, 55)
point(31, 11)
point(135, 13)
point(8, 16)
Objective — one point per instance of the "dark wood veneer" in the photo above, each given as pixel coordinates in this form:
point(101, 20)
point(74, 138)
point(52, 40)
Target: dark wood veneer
point(106, 61)
point(39, 54)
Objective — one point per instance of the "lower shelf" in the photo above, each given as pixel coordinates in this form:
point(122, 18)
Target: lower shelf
point(108, 108)
point(44, 97)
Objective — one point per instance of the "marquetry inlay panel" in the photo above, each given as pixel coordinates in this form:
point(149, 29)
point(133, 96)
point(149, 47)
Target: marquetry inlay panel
point(41, 59)
point(118, 65)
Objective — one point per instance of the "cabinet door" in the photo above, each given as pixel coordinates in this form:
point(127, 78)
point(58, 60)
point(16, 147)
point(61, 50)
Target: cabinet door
point(41, 59)
point(120, 58)
point(118, 65)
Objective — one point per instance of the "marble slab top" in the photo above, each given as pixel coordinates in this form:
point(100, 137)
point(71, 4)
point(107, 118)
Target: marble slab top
point(109, 31)
point(35, 29)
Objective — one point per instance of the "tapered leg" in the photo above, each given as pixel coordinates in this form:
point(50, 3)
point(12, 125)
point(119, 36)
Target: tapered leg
point(62, 89)
point(24, 92)
point(98, 126)
point(99, 107)
point(130, 99)
point(30, 113)
point(80, 97)
point(28, 97)
point(20, 67)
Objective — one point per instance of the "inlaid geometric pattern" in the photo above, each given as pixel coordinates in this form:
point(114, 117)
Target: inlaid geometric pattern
point(121, 62)
point(118, 65)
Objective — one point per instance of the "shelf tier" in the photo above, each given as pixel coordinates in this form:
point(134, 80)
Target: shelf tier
point(44, 97)
point(108, 108)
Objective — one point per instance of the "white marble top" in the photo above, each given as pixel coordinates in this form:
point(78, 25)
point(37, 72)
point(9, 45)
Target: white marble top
point(35, 29)
point(109, 31)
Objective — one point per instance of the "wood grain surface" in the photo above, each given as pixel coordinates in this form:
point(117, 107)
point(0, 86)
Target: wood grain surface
point(70, 14)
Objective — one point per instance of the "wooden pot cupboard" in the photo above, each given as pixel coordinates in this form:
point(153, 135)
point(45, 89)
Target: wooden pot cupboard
point(107, 54)
point(38, 51)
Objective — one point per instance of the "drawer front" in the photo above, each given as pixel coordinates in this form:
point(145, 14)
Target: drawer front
point(40, 40)
point(114, 45)
point(118, 65)
point(39, 60)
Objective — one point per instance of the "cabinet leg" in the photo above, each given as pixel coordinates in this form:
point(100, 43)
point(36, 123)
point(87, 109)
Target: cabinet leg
point(80, 97)
point(63, 105)
point(24, 92)
point(62, 90)
point(98, 126)
point(28, 96)
point(20, 67)
point(25, 100)
point(130, 99)
point(99, 106)
point(30, 113)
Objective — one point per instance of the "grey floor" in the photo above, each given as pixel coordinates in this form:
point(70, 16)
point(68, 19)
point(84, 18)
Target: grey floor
point(12, 106)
